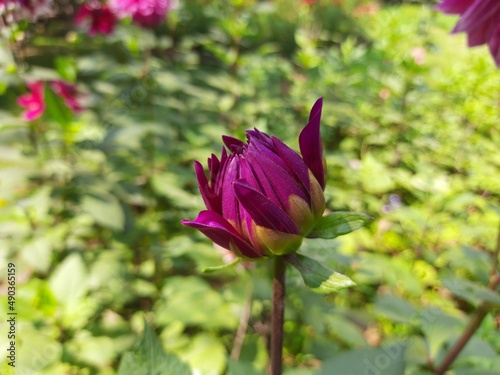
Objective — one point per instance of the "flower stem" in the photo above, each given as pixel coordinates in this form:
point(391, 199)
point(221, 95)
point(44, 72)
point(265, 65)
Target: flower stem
point(476, 319)
point(278, 315)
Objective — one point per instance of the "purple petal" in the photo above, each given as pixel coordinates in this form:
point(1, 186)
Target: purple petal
point(213, 167)
point(311, 147)
point(212, 201)
point(477, 14)
point(219, 179)
point(263, 138)
point(276, 181)
point(454, 6)
point(230, 206)
point(255, 177)
point(233, 144)
point(222, 233)
point(267, 150)
point(494, 44)
point(293, 161)
point(477, 36)
point(264, 212)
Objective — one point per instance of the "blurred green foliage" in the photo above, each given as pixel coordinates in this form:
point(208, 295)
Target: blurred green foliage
point(90, 204)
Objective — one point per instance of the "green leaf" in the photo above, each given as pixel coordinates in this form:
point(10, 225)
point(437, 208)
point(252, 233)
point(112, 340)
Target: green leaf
point(387, 360)
point(69, 282)
point(376, 177)
point(221, 267)
point(56, 109)
point(438, 328)
point(206, 354)
point(338, 223)
point(66, 67)
point(318, 278)
point(241, 368)
point(38, 253)
point(471, 292)
point(150, 358)
point(176, 304)
point(106, 210)
point(395, 308)
point(349, 332)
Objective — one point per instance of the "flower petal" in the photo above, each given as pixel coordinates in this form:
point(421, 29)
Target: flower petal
point(494, 44)
point(222, 233)
point(230, 205)
point(478, 35)
point(275, 181)
point(477, 14)
point(233, 144)
point(264, 212)
point(293, 161)
point(212, 201)
point(257, 134)
point(311, 147)
point(34, 112)
point(454, 6)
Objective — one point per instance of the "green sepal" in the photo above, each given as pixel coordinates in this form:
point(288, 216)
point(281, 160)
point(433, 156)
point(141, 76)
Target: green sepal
point(338, 223)
point(221, 267)
point(317, 277)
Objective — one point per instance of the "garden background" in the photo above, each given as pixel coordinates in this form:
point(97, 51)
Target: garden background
point(90, 202)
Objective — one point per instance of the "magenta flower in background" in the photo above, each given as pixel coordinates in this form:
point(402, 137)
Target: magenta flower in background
point(262, 197)
point(146, 13)
point(97, 18)
point(68, 93)
point(480, 19)
point(33, 102)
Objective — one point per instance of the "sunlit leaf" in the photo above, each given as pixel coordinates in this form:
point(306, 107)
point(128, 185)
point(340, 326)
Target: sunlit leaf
point(317, 277)
point(338, 223)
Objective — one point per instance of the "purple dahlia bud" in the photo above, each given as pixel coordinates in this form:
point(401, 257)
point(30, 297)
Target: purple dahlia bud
point(262, 197)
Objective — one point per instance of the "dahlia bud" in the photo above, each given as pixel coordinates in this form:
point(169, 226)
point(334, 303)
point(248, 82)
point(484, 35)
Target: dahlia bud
point(263, 198)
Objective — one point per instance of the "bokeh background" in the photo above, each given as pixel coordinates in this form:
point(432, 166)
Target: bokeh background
point(90, 201)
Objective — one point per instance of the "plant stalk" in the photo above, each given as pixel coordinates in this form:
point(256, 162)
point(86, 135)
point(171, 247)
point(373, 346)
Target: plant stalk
point(278, 315)
point(472, 327)
point(477, 317)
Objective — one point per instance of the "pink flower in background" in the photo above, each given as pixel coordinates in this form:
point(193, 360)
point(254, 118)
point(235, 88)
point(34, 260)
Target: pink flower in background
point(68, 93)
point(480, 19)
point(33, 102)
point(146, 13)
point(97, 18)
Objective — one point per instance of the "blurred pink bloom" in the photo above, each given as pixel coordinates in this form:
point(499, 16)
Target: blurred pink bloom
point(68, 93)
point(34, 101)
point(480, 19)
point(418, 54)
point(97, 18)
point(146, 13)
